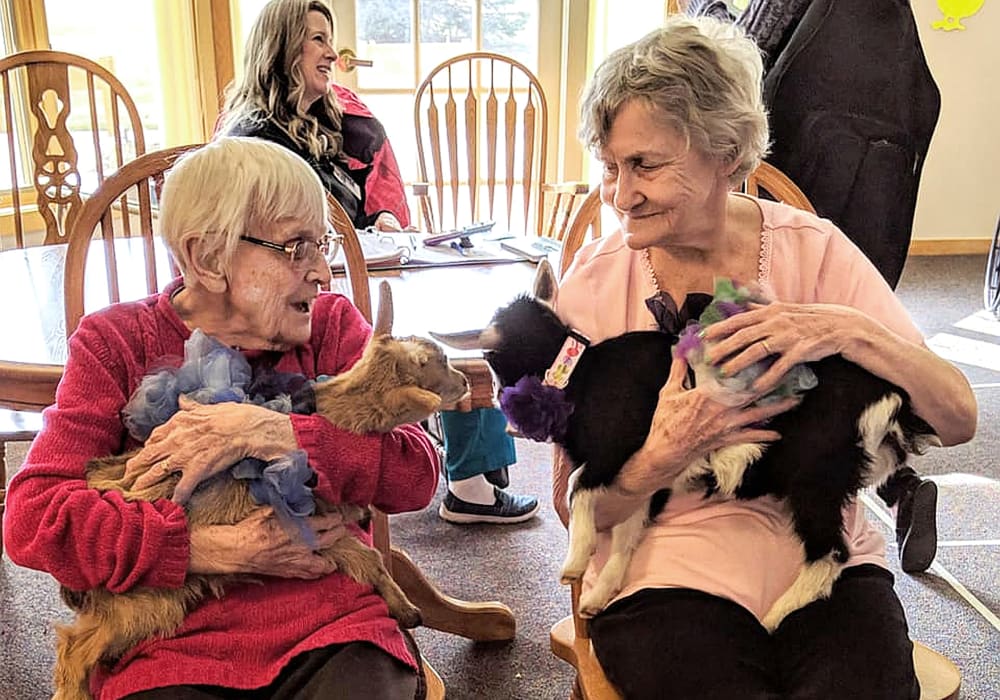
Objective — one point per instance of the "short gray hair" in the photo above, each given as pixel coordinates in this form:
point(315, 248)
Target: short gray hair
point(703, 76)
point(234, 186)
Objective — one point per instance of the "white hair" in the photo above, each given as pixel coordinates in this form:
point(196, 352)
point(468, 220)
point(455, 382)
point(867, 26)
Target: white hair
point(234, 186)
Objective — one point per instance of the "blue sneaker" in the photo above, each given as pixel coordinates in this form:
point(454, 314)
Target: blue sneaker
point(507, 508)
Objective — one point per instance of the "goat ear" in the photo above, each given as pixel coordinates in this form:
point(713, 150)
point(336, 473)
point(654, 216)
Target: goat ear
point(417, 353)
point(383, 321)
point(485, 339)
point(545, 283)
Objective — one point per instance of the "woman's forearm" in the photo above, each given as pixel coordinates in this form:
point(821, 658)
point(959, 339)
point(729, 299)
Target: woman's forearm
point(612, 505)
point(938, 391)
point(630, 491)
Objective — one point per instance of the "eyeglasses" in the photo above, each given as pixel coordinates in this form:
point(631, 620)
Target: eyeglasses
point(300, 251)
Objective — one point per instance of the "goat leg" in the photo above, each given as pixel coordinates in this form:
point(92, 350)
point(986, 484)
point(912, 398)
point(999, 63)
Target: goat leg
point(582, 535)
point(364, 564)
point(113, 625)
point(819, 525)
point(815, 581)
point(625, 538)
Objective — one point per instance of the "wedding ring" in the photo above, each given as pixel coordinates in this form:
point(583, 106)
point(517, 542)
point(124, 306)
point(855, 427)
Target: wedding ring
point(767, 350)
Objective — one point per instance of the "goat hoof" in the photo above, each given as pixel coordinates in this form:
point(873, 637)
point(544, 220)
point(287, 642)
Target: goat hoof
point(771, 621)
point(590, 605)
point(572, 572)
point(409, 618)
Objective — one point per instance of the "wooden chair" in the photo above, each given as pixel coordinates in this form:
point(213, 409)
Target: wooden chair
point(939, 678)
point(122, 207)
point(40, 91)
point(45, 94)
point(586, 219)
point(568, 638)
point(481, 123)
point(769, 182)
point(487, 164)
point(481, 621)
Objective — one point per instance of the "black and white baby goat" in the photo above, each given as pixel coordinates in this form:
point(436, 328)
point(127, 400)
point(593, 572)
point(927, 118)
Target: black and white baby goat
point(851, 431)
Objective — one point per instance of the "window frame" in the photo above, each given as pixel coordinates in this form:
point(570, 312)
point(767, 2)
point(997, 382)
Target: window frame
point(195, 39)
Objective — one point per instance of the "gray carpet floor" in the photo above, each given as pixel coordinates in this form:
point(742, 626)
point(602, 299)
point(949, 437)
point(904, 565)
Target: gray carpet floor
point(954, 607)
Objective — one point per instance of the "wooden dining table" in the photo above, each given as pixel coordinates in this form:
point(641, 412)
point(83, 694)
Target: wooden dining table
point(32, 315)
point(33, 350)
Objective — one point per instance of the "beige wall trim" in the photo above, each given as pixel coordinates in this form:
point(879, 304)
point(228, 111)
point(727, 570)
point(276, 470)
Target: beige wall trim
point(950, 246)
point(31, 31)
point(573, 72)
point(213, 43)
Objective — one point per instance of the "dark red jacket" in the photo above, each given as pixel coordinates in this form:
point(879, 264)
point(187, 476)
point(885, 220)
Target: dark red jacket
point(366, 143)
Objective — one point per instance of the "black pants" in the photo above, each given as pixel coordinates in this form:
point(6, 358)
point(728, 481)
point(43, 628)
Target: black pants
point(356, 671)
point(678, 643)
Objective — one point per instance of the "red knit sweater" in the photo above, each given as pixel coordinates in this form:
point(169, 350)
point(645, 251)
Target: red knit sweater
point(86, 539)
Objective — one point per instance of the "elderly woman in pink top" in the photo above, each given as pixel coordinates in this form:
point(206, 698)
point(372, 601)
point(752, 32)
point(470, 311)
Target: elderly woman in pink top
point(677, 121)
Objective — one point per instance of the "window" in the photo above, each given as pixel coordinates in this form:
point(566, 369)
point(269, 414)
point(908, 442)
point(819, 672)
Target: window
point(133, 57)
point(7, 46)
point(405, 48)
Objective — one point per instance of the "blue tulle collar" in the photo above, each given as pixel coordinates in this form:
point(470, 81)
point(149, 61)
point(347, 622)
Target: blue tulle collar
point(215, 373)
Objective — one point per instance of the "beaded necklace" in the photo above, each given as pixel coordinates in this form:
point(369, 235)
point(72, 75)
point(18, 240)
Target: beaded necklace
point(650, 271)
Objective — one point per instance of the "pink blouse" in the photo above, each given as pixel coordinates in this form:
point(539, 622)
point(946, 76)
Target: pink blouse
point(746, 551)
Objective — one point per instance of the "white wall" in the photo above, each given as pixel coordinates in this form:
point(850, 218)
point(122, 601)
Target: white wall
point(960, 187)
point(959, 194)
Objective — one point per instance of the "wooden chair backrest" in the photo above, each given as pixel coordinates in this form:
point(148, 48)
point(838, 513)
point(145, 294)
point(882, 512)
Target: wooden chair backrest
point(481, 123)
point(54, 108)
point(354, 257)
point(586, 219)
point(779, 186)
point(125, 204)
point(357, 277)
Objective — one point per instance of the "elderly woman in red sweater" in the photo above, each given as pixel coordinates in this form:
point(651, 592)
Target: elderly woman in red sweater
point(245, 221)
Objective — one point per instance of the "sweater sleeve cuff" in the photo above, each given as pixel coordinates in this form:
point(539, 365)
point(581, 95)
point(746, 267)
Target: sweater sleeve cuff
point(174, 556)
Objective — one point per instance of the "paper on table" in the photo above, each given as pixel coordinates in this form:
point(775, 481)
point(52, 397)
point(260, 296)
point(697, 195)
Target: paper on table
point(379, 249)
point(390, 251)
point(532, 248)
point(454, 254)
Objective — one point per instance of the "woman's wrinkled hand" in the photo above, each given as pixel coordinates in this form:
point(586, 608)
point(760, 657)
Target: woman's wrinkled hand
point(387, 221)
point(795, 333)
point(687, 425)
point(200, 441)
point(259, 545)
